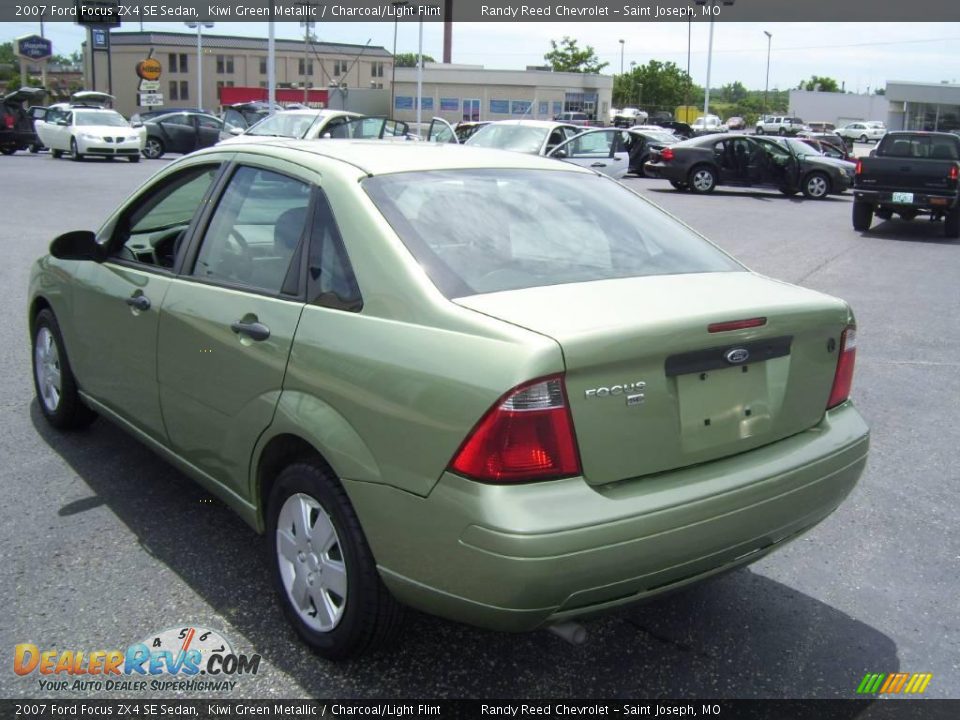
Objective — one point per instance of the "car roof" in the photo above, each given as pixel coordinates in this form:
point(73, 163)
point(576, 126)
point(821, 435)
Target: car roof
point(376, 157)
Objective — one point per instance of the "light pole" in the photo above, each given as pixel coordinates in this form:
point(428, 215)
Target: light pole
point(307, 26)
point(420, 80)
point(199, 27)
point(708, 5)
point(393, 67)
point(622, 41)
point(766, 87)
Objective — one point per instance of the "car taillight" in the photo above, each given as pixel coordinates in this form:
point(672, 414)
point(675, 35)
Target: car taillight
point(8, 121)
point(666, 154)
point(527, 435)
point(843, 377)
point(859, 166)
point(954, 172)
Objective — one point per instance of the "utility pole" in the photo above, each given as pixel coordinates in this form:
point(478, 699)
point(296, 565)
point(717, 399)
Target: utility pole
point(272, 63)
point(307, 26)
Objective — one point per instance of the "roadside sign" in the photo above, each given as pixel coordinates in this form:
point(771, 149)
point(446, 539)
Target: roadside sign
point(150, 99)
point(149, 69)
point(33, 47)
point(149, 86)
point(101, 39)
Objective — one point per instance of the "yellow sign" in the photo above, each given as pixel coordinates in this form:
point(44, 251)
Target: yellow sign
point(149, 69)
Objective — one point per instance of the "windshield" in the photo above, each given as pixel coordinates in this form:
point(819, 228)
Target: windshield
point(101, 117)
point(519, 138)
point(289, 125)
point(481, 231)
point(801, 148)
point(663, 137)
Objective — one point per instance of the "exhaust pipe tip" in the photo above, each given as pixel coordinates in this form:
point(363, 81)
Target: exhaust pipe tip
point(573, 632)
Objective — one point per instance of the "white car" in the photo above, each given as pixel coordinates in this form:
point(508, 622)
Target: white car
point(709, 124)
point(601, 149)
point(869, 131)
point(311, 124)
point(89, 131)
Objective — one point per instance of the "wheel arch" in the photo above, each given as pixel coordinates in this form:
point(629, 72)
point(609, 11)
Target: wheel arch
point(824, 173)
point(305, 427)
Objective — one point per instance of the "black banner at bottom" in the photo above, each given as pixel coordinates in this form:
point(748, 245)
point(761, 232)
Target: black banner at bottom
point(314, 709)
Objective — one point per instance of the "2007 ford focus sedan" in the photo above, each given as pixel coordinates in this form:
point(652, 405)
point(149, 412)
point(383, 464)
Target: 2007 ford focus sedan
point(498, 388)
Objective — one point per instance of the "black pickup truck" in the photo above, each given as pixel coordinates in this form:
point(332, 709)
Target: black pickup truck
point(910, 173)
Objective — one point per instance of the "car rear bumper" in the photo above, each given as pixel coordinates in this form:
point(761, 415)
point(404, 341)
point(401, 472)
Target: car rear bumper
point(518, 557)
point(919, 200)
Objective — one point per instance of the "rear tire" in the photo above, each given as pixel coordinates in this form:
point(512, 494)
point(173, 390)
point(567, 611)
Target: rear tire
point(759, 131)
point(53, 379)
point(682, 187)
point(56, 154)
point(702, 179)
point(782, 132)
point(133, 158)
point(8, 149)
point(77, 157)
point(318, 554)
point(863, 138)
point(951, 224)
point(862, 215)
point(788, 191)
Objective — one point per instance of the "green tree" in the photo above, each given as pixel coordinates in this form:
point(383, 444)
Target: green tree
point(409, 59)
point(656, 85)
point(568, 57)
point(821, 83)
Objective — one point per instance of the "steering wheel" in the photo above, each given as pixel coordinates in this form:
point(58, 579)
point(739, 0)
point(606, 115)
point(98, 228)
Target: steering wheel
point(238, 263)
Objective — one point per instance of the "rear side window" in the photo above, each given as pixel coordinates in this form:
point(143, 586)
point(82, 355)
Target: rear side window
point(481, 231)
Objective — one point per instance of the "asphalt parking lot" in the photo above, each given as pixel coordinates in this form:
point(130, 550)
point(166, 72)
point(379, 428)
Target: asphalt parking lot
point(103, 544)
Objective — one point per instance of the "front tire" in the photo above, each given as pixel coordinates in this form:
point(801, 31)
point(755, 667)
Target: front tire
point(702, 179)
point(133, 158)
point(759, 131)
point(53, 379)
point(153, 149)
point(862, 215)
point(56, 154)
point(816, 186)
point(322, 566)
point(74, 151)
point(863, 138)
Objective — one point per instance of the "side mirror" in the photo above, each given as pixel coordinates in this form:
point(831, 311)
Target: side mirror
point(873, 153)
point(559, 153)
point(77, 245)
point(326, 135)
point(136, 124)
point(235, 131)
point(62, 121)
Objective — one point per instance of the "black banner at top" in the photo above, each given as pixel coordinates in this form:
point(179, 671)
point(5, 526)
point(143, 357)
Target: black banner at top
point(513, 11)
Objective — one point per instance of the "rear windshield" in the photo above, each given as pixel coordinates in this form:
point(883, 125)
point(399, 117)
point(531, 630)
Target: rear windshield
point(482, 231)
point(520, 138)
point(292, 125)
point(920, 146)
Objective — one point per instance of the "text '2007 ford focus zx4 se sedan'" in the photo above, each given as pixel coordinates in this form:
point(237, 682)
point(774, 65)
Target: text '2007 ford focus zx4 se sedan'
point(497, 388)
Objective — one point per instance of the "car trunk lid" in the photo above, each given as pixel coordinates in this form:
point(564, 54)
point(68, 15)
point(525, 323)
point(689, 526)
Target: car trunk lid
point(652, 389)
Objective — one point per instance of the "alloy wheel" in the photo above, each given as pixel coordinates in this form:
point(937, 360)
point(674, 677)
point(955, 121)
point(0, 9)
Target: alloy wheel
point(817, 186)
point(47, 368)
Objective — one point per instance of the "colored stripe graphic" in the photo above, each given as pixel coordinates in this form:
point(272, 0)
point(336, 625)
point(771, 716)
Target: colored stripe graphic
point(882, 683)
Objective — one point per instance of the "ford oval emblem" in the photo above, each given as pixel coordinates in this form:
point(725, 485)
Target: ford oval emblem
point(737, 356)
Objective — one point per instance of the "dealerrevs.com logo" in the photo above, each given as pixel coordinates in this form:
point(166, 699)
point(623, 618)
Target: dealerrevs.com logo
point(185, 659)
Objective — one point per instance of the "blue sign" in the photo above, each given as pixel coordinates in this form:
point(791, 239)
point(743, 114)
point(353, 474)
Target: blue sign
point(101, 39)
point(34, 47)
point(403, 102)
point(500, 107)
point(451, 104)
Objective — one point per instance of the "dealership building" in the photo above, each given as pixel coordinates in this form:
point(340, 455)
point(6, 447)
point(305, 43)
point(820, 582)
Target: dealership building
point(227, 62)
point(472, 92)
point(903, 106)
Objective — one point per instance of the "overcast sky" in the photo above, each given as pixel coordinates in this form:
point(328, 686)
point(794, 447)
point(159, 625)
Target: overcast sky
point(861, 54)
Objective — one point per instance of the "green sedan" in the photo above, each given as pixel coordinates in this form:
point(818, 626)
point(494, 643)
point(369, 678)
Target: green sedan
point(490, 386)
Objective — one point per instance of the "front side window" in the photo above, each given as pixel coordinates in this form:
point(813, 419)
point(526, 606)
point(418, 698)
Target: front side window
point(152, 232)
point(284, 124)
point(482, 231)
point(255, 232)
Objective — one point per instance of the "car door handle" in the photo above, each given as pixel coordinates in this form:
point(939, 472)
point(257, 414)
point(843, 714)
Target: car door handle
point(139, 302)
point(599, 164)
point(253, 330)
